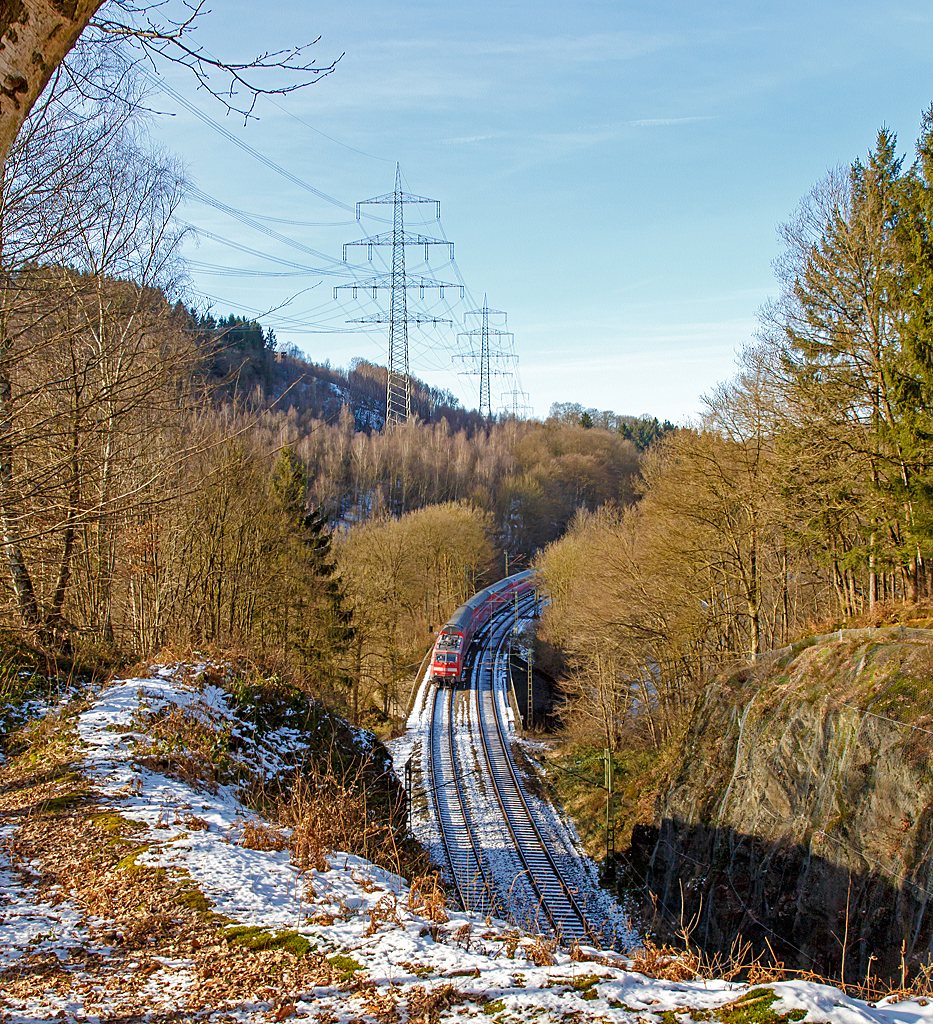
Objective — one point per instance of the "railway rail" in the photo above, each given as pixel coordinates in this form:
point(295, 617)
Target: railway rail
point(538, 886)
point(464, 854)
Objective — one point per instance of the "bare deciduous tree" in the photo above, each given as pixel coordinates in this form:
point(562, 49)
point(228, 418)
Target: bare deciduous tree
point(37, 35)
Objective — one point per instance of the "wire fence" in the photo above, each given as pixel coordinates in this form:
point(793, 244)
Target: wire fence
point(862, 633)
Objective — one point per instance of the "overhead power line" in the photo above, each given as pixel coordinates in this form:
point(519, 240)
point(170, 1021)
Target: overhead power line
point(217, 270)
point(488, 336)
point(324, 135)
point(282, 220)
point(255, 252)
point(245, 218)
point(255, 154)
point(398, 380)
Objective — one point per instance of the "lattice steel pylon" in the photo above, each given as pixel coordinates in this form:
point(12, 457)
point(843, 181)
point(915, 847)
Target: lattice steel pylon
point(486, 356)
point(398, 383)
point(519, 408)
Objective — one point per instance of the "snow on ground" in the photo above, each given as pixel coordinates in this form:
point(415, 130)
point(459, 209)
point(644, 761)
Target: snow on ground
point(400, 961)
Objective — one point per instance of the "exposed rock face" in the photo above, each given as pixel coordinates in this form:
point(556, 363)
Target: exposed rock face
point(800, 812)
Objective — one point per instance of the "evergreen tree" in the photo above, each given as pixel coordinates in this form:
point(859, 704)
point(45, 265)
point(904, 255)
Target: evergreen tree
point(849, 376)
point(316, 623)
point(643, 432)
point(912, 293)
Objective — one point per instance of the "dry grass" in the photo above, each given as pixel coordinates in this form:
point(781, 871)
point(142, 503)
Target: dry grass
point(427, 897)
point(916, 615)
point(427, 1005)
point(327, 811)
point(541, 951)
point(672, 963)
point(258, 836)
point(146, 915)
point(183, 747)
point(384, 912)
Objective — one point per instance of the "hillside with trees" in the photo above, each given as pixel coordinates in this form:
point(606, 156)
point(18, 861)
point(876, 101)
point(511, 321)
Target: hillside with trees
point(173, 480)
point(684, 624)
point(803, 497)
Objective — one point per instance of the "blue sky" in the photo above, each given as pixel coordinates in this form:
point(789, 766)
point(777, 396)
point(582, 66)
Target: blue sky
point(612, 173)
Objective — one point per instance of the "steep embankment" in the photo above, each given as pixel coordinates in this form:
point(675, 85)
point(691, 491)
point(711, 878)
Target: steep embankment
point(799, 810)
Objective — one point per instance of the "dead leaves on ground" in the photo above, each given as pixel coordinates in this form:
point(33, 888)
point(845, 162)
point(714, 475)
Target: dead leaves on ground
point(167, 951)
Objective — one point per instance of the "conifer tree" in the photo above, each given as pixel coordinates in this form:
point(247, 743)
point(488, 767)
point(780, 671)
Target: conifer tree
point(844, 358)
point(316, 623)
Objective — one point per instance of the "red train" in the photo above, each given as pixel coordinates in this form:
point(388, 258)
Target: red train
point(455, 636)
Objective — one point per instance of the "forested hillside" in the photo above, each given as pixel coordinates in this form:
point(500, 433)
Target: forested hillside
point(170, 478)
point(241, 362)
point(219, 558)
point(802, 499)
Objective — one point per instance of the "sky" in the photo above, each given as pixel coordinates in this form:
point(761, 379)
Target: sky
point(613, 174)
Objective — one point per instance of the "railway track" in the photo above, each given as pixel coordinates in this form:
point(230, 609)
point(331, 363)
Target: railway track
point(537, 892)
point(464, 854)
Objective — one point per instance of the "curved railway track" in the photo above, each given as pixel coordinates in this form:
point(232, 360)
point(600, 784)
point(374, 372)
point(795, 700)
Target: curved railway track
point(542, 892)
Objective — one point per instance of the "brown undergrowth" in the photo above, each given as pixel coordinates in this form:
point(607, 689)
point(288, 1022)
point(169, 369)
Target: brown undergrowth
point(67, 846)
point(355, 812)
point(339, 794)
point(914, 615)
point(91, 855)
point(673, 963)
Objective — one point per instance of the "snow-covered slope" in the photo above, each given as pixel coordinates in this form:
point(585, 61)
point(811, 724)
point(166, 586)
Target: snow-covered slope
point(135, 895)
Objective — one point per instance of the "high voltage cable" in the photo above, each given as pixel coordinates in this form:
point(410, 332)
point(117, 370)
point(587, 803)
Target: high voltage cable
point(288, 324)
point(279, 321)
point(271, 164)
point(255, 252)
point(324, 135)
point(249, 220)
point(219, 271)
point(278, 220)
point(245, 218)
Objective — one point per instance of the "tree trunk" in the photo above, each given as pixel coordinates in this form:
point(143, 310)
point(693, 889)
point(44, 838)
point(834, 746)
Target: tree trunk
point(872, 575)
point(35, 35)
point(22, 581)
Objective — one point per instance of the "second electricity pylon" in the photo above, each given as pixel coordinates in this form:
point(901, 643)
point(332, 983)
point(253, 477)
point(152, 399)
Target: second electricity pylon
point(519, 408)
point(398, 383)
point(486, 355)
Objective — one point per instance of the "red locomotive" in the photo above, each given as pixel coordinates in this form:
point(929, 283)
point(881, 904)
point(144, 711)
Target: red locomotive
point(455, 636)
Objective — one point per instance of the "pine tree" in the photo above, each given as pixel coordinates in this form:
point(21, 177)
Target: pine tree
point(845, 360)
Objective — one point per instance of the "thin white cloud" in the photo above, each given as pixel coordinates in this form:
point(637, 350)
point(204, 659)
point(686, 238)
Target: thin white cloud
point(590, 47)
point(596, 46)
point(467, 139)
point(651, 122)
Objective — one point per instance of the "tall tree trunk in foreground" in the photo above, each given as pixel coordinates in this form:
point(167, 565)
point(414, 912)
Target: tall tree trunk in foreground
point(35, 35)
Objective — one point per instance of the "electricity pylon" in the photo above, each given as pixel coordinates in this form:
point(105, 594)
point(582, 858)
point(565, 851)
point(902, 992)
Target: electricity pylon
point(398, 384)
point(520, 407)
point(486, 355)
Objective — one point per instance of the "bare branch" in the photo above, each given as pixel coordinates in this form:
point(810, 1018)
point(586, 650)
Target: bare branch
point(169, 40)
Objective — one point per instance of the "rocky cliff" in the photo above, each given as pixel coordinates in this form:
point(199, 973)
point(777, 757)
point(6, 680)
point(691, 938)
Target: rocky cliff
point(799, 813)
